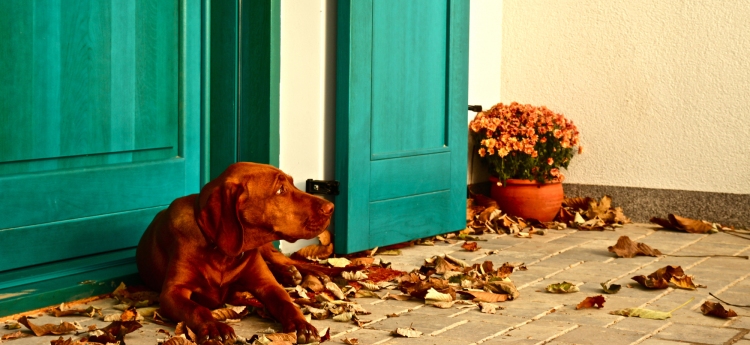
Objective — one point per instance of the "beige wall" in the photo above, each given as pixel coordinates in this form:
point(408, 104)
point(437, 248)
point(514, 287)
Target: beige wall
point(660, 90)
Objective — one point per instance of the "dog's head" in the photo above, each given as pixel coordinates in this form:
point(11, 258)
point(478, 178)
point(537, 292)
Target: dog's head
point(251, 204)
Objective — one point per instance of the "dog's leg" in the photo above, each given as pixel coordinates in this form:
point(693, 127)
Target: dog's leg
point(176, 304)
point(262, 285)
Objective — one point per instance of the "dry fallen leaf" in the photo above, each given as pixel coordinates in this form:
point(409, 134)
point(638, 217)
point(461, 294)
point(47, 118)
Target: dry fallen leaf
point(335, 290)
point(661, 278)
point(484, 296)
point(407, 332)
point(223, 314)
point(14, 335)
point(350, 341)
point(290, 337)
point(647, 313)
point(592, 302)
point(339, 262)
point(503, 287)
point(90, 311)
point(178, 340)
point(312, 283)
point(434, 296)
point(716, 309)
point(365, 261)
point(324, 237)
point(316, 251)
point(683, 224)
point(470, 246)
point(685, 282)
point(611, 289)
point(643, 313)
point(626, 248)
point(488, 308)
point(65, 327)
point(564, 287)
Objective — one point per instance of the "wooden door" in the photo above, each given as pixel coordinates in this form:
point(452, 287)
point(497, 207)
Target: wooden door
point(99, 130)
point(401, 144)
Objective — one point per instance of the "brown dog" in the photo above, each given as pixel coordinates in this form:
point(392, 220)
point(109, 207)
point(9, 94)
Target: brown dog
point(207, 248)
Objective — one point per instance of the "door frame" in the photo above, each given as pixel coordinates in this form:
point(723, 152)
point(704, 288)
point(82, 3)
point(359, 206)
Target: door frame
point(240, 84)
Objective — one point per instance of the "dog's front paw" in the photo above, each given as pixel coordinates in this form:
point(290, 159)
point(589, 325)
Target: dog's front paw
point(306, 332)
point(286, 275)
point(215, 330)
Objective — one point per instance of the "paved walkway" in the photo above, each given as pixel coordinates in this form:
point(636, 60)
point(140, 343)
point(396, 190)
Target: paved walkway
point(539, 317)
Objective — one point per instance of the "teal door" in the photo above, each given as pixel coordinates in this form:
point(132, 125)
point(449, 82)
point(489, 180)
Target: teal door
point(401, 124)
point(99, 130)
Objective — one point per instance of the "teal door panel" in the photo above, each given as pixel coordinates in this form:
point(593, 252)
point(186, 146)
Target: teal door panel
point(402, 91)
point(99, 130)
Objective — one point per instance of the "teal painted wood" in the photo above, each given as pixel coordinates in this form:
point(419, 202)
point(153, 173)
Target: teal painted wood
point(66, 281)
point(458, 96)
point(11, 280)
point(389, 179)
point(73, 238)
point(402, 89)
point(100, 114)
point(408, 218)
point(189, 97)
point(30, 199)
point(259, 68)
point(223, 134)
point(244, 75)
point(353, 104)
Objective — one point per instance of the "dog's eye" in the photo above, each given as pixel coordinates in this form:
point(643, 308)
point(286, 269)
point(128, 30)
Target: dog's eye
point(280, 190)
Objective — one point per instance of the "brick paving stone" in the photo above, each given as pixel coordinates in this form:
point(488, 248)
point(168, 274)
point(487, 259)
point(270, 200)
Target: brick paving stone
point(470, 332)
point(708, 248)
point(742, 342)
point(418, 321)
point(508, 340)
point(526, 309)
point(585, 253)
point(334, 326)
point(640, 325)
point(668, 241)
point(742, 322)
point(591, 317)
point(593, 335)
point(364, 336)
point(502, 321)
point(697, 334)
point(541, 329)
point(387, 306)
point(514, 256)
point(652, 341)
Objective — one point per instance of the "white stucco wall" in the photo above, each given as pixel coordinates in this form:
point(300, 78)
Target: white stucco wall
point(660, 90)
point(307, 93)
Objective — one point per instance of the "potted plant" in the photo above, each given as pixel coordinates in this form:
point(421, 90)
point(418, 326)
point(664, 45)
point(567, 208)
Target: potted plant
point(525, 146)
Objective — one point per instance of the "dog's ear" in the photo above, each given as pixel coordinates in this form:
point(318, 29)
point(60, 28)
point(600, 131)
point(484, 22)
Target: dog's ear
point(218, 216)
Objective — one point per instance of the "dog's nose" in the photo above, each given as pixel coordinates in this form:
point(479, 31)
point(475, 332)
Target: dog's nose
point(326, 208)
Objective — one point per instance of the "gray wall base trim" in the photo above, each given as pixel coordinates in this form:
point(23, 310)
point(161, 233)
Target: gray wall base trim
point(640, 204)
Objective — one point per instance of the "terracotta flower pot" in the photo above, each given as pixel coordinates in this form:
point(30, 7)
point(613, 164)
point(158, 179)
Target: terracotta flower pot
point(528, 199)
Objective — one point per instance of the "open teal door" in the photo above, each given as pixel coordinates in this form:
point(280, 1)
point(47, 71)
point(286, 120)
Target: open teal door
point(401, 128)
point(99, 130)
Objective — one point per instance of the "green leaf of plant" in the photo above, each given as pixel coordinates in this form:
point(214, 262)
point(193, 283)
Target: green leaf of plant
point(564, 287)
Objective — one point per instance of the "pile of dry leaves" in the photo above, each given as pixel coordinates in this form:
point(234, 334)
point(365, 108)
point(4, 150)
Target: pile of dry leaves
point(483, 216)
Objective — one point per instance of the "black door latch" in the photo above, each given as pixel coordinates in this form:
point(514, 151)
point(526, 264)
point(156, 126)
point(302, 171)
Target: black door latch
point(475, 108)
point(322, 187)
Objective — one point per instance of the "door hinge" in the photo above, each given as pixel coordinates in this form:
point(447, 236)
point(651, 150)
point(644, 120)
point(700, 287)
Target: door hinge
point(322, 187)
